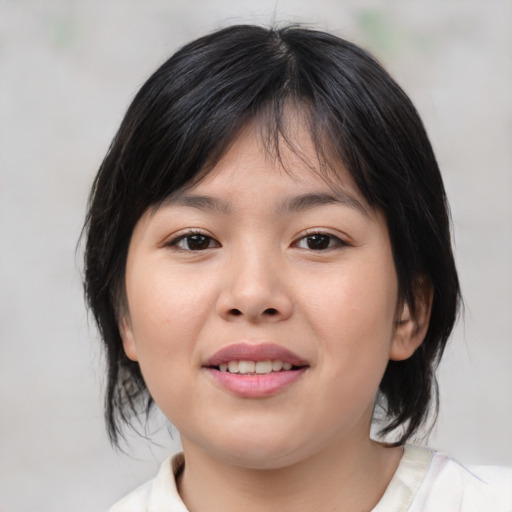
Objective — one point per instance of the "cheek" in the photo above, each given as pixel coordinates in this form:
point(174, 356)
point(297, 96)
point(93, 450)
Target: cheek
point(354, 314)
point(167, 311)
point(165, 326)
point(166, 297)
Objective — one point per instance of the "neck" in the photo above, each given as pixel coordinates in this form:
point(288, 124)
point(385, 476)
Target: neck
point(347, 478)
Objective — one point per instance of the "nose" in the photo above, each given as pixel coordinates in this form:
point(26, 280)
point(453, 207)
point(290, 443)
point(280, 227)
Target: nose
point(254, 289)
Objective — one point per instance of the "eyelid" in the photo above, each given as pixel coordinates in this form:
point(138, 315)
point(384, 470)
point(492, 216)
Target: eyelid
point(341, 241)
point(175, 238)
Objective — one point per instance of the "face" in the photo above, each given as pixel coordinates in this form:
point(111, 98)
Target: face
point(263, 308)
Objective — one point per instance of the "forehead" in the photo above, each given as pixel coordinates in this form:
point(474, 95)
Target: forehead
point(286, 165)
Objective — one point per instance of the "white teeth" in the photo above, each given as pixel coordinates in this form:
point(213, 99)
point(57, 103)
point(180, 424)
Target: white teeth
point(245, 366)
point(233, 366)
point(260, 367)
point(277, 365)
point(263, 367)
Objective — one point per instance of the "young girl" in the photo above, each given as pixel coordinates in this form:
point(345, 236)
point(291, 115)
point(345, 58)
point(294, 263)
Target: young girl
point(268, 260)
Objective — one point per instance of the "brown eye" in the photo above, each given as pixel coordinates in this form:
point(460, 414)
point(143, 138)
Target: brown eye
point(319, 242)
point(198, 242)
point(195, 242)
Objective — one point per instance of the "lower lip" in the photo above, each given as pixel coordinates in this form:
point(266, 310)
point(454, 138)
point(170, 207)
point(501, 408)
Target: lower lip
point(256, 385)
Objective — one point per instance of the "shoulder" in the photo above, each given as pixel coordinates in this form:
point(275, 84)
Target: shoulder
point(158, 494)
point(429, 481)
point(449, 486)
point(136, 501)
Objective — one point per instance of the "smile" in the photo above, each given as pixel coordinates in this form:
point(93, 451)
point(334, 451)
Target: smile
point(257, 367)
point(255, 371)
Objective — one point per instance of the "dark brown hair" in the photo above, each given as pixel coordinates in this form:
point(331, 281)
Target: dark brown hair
point(190, 110)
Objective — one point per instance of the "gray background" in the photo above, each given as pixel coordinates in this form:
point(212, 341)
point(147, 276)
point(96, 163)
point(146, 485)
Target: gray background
point(67, 72)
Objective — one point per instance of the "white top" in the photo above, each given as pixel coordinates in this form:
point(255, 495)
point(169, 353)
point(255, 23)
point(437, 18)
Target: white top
point(425, 481)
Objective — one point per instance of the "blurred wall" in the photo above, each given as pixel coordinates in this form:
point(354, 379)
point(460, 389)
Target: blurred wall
point(67, 72)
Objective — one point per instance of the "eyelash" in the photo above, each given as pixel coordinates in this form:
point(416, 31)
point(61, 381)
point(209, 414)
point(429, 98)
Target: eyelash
point(319, 237)
point(314, 237)
point(187, 237)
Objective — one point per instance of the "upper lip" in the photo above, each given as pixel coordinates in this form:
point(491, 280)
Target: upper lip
point(254, 352)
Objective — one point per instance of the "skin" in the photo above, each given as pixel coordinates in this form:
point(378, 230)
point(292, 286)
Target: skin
point(256, 278)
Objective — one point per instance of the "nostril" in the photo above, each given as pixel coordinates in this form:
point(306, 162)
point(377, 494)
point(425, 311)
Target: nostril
point(268, 312)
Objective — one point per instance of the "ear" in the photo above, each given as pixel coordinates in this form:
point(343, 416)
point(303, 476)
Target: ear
point(126, 332)
point(411, 329)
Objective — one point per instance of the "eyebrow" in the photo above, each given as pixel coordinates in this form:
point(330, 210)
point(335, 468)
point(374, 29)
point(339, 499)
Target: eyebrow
point(307, 201)
point(202, 203)
point(293, 204)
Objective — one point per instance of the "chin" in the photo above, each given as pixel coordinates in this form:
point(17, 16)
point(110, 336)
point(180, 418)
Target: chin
point(262, 461)
point(264, 452)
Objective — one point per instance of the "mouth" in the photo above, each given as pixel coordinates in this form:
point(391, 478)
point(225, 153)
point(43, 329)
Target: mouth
point(255, 371)
point(245, 367)
point(260, 358)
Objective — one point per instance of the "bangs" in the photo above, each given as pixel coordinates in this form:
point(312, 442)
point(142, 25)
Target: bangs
point(280, 126)
point(283, 82)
